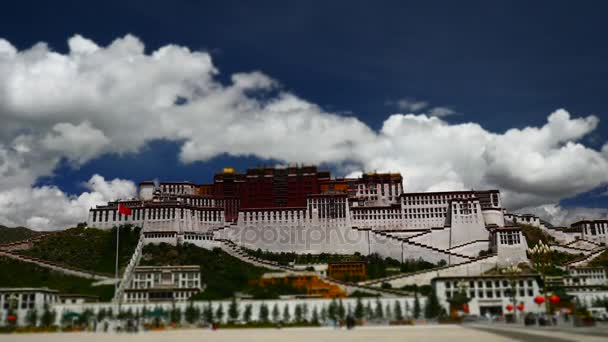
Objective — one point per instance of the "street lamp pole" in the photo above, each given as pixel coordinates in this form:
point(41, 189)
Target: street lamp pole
point(541, 257)
point(513, 272)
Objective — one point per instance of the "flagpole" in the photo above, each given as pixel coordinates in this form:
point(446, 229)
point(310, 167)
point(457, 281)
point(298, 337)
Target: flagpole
point(116, 270)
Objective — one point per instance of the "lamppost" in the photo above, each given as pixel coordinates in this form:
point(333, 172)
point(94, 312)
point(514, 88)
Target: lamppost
point(463, 287)
point(513, 272)
point(13, 305)
point(540, 255)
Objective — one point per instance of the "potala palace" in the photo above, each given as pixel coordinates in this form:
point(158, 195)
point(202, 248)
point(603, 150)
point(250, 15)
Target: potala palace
point(304, 210)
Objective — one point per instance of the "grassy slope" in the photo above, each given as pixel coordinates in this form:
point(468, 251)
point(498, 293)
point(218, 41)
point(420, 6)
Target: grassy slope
point(223, 274)
point(535, 235)
point(600, 261)
point(377, 267)
point(16, 234)
point(20, 274)
point(87, 248)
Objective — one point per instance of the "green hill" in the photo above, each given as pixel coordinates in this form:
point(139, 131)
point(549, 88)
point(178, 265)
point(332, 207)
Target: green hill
point(87, 248)
point(600, 261)
point(8, 235)
point(534, 235)
point(222, 273)
point(21, 274)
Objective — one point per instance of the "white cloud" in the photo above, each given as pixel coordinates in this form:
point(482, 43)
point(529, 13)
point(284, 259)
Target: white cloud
point(77, 142)
point(48, 208)
point(410, 105)
point(113, 99)
point(441, 111)
point(564, 217)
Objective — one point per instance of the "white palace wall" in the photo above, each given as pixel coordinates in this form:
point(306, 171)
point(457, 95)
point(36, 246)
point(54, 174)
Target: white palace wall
point(406, 303)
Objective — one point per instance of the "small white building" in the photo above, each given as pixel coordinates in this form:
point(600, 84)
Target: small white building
point(489, 294)
point(527, 219)
point(23, 299)
point(594, 230)
point(163, 283)
point(586, 276)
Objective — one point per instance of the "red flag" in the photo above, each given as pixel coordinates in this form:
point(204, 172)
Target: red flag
point(123, 209)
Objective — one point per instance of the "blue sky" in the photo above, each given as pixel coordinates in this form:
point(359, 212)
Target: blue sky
point(500, 64)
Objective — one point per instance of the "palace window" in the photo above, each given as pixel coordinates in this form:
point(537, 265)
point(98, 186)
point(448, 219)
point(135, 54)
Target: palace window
point(509, 238)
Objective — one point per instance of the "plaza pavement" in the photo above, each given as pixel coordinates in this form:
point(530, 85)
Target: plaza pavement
point(422, 333)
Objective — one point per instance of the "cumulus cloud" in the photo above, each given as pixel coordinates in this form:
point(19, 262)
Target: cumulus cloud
point(564, 217)
point(441, 111)
point(114, 99)
point(48, 208)
point(409, 105)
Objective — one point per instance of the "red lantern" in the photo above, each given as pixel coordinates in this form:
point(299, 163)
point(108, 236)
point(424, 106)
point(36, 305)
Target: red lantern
point(465, 308)
point(509, 307)
point(520, 307)
point(539, 299)
point(554, 299)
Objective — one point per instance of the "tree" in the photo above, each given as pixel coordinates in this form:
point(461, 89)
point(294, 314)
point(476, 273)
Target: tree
point(417, 309)
point(208, 313)
point(387, 312)
point(144, 312)
point(324, 314)
point(298, 313)
point(263, 313)
point(275, 313)
point(48, 316)
point(341, 310)
point(432, 309)
point(192, 313)
point(233, 310)
point(219, 313)
point(286, 315)
point(305, 311)
point(176, 314)
point(101, 314)
point(359, 309)
point(378, 313)
point(369, 312)
point(85, 317)
point(315, 316)
point(397, 311)
point(332, 312)
point(407, 309)
point(32, 317)
point(247, 313)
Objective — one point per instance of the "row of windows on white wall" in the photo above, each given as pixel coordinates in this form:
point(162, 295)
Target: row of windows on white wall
point(103, 215)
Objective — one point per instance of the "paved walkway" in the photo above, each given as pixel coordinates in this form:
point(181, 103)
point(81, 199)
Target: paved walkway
point(360, 334)
point(541, 334)
point(423, 333)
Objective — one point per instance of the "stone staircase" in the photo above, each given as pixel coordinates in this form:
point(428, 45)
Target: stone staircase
point(236, 251)
point(587, 258)
point(434, 272)
point(409, 241)
point(127, 276)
